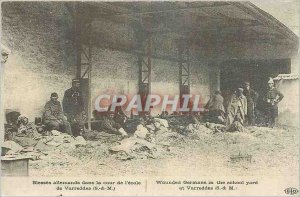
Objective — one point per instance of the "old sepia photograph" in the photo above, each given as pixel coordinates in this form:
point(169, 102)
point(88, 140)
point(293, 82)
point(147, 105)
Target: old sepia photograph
point(149, 98)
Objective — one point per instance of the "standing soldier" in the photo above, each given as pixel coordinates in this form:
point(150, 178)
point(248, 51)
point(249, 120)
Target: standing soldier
point(272, 98)
point(74, 108)
point(252, 97)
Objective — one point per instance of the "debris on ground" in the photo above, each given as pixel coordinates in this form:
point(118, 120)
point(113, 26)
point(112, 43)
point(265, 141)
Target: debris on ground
point(175, 121)
point(132, 148)
point(162, 122)
point(141, 132)
point(42, 144)
point(100, 136)
point(11, 145)
point(199, 128)
point(159, 139)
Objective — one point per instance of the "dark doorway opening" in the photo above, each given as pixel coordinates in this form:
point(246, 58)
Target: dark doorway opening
point(257, 72)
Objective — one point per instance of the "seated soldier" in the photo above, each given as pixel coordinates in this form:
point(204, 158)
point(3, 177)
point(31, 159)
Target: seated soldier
point(118, 114)
point(215, 109)
point(53, 117)
point(12, 124)
point(27, 134)
point(26, 128)
point(109, 125)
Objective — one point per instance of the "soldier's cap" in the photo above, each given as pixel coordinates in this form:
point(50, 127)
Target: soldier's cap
point(54, 95)
point(241, 89)
point(246, 83)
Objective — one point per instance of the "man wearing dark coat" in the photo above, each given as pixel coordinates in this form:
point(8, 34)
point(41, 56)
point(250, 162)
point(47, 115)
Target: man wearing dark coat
point(252, 97)
point(73, 107)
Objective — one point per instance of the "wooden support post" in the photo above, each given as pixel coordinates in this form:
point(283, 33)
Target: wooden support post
point(144, 63)
point(77, 27)
point(184, 70)
point(90, 75)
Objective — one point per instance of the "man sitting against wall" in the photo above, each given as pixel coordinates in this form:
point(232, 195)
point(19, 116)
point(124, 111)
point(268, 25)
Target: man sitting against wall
point(53, 116)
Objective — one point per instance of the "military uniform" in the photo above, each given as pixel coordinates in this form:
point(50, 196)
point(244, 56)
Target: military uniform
point(237, 110)
point(74, 109)
point(216, 109)
point(272, 98)
point(110, 126)
point(54, 119)
point(72, 102)
point(119, 116)
point(252, 97)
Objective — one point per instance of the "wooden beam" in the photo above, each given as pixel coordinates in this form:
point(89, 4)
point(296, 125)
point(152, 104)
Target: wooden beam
point(175, 10)
point(115, 8)
point(134, 51)
point(183, 30)
point(112, 8)
point(78, 34)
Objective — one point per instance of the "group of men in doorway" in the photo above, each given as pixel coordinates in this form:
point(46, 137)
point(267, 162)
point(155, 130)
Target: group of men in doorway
point(240, 109)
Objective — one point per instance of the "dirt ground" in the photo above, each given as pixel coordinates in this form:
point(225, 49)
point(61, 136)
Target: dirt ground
point(273, 151)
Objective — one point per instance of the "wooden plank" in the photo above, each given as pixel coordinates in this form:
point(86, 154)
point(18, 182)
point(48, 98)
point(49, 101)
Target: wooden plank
point(14, 167)
point(175, 10)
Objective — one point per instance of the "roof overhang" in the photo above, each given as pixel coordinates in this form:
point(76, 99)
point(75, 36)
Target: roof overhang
point(213, 30)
